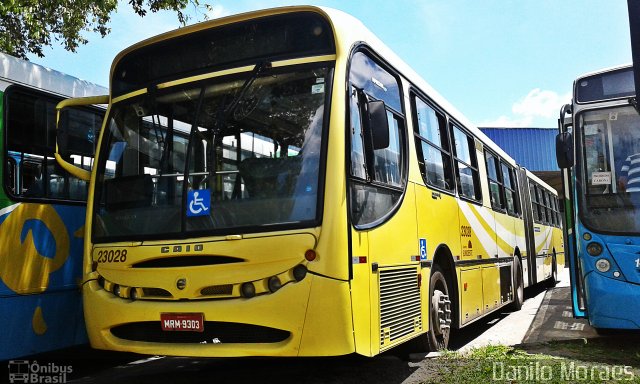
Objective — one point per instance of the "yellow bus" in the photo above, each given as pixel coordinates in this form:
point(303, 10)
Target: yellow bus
point(279, 183)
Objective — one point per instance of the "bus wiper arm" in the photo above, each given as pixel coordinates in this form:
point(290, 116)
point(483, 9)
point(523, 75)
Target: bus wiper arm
point(257, 70)
point(187, 160)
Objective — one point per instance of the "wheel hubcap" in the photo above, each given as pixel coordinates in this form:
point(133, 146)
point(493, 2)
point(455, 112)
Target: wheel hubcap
point(442, 307)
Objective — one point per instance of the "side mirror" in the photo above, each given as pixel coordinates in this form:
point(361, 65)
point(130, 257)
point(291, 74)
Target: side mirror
point(67, 137)
point(564, 150)
point(564, 122)
point(378, 124)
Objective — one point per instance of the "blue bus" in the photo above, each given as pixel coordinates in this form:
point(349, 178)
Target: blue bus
point(42, 209)
point(598, 150)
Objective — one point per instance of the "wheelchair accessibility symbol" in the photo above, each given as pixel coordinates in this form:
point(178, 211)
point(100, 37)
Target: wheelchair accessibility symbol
point(198, 202)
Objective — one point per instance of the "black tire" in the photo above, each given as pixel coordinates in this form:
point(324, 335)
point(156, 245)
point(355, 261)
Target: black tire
point(437, 337)
point(517, 284)
point(553, 280)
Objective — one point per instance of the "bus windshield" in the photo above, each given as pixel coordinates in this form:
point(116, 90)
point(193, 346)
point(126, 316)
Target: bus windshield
point(609, 169)
point(217, 156)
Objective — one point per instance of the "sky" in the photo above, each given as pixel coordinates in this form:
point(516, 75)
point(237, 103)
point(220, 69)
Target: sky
point(502, 63)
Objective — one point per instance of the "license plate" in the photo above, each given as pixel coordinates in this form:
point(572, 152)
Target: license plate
point(190, 322)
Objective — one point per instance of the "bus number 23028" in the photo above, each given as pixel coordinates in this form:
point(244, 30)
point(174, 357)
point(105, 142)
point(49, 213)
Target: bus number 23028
point(112, 256)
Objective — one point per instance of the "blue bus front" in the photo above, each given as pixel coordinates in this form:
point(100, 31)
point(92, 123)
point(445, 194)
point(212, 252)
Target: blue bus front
point(605, 201)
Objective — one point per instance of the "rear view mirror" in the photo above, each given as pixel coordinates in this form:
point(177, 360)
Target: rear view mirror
point(378, 124)
point(76, 133)
point(564, 150)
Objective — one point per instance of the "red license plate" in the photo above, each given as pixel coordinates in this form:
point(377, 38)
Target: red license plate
point(190, 322)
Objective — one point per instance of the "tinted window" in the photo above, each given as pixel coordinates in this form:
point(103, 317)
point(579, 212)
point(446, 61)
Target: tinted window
point(432, 146)
point(496, 189)
point(466, 164)
point(33, 170)
point(273, 38)
point(605, 86)
point(377, 174)
point(534, 202)
point(509, 182)
point(367, 76)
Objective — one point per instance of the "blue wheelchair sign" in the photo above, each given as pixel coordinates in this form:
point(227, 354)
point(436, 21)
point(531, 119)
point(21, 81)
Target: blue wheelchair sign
point(423, 249)
point(198, 202)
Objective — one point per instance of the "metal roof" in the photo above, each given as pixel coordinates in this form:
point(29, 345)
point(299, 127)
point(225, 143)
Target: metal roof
point(18, 71)
point(533, 148)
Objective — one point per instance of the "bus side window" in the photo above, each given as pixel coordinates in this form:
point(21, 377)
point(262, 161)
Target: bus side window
point(31, 140)
point(541, 209)
point(534, 200)
point(377, 175)
point(10, 177)
point(31, 179)
point(432, 146)
point(509, 184)
point(466, 164)
point(496, 187)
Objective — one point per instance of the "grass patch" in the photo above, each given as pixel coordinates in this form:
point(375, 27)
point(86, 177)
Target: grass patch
point(557, 362)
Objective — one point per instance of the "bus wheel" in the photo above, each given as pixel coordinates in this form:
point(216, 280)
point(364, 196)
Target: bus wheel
point(440, 311)
point(518, 285)
point(553, 280)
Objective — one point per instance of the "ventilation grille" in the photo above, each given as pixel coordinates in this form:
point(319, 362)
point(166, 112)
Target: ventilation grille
point(186, 261)
point(400, 310)
point(217, 290)
point(156, 292)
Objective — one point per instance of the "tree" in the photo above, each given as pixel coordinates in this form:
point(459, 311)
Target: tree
point(28, 26)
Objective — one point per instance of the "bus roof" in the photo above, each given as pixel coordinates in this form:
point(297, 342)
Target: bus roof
point(605, 70)
point(17, 71)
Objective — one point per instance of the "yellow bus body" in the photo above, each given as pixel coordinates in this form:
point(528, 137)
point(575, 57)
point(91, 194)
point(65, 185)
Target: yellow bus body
point(336, 309)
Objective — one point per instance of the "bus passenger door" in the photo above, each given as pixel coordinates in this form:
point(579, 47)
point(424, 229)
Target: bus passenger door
point(565, 145)
point(385, 252)
point(528, 258)
point(477, 232)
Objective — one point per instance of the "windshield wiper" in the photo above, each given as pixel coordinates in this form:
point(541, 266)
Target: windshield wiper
point(255, 73)
point(187, 160)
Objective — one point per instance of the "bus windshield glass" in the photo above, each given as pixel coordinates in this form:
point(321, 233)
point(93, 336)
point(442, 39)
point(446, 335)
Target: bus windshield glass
point(230, 155)
point(609, 169)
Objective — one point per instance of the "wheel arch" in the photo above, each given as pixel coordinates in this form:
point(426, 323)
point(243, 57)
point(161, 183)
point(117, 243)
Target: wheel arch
point(444, 259)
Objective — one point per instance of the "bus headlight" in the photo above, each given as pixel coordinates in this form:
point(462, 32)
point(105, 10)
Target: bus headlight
point(274, 283)
point(299, 272)
point(248, 290)
point(594, 249)
point(603, 265)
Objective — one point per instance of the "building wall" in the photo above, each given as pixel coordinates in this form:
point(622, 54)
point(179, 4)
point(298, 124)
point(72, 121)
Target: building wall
point(533, 148)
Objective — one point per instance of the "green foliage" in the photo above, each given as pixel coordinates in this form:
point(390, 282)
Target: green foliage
point(498, 364)
point(28, 26)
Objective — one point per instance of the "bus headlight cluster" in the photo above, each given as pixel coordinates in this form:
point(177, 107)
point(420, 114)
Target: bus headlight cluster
point(603, 265)
point(274, 283)
point(594, 249)
point(117, 289)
